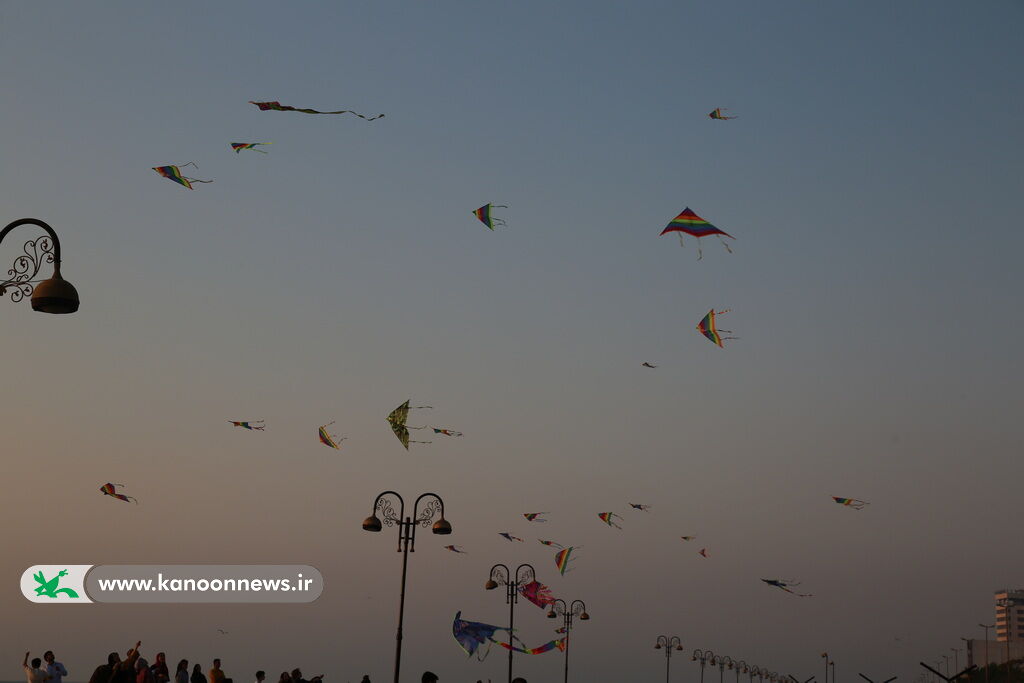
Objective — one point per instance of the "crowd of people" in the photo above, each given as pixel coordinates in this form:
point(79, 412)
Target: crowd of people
point(136, 669)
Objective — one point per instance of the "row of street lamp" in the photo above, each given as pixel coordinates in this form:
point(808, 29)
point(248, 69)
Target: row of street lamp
point(723, 662)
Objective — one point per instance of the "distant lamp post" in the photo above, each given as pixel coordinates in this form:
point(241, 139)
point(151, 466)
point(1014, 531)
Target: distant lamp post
point(55, 295)
point(501, 576)
point(668, 644)
point(568, 612)
point(406, 539)
point(724, 661)
point(825, 655)
point(986, 627)
point(703, 656)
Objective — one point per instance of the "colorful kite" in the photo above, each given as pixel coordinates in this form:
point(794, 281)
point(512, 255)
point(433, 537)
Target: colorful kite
point(174, 173)
point(708, 327)
point(648, 365)
point(239, 146)
point(509, 537)
point(784, 585)
point(534, 516)
point(551, 543)
point(455, 548)
point(109, 490)
point(546, 647)
point(277, 106)
point(703, 552)
point(719, 116)
point(640, 506)
point(687, 538)
point(694, 225)
point(483, 214)
point(256, 425)
point(850, 502)
point(398, 417)
point(331, 440)
point(446, 432)
point(609, 518)
point(470, 635)
point(537, 593)
point(562, 559)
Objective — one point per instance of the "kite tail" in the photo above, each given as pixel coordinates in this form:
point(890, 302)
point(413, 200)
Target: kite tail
point(681, 243)
point(411, 441)
point(415, 407)
point(727, 248)
point(196, 180)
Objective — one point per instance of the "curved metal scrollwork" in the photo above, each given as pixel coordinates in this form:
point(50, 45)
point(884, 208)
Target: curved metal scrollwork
point(499, 575)
point(525, 574)
point(23, 273)
point(430, 508)
point(387, 512)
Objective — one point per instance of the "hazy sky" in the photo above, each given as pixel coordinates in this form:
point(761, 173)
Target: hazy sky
point(872, 182)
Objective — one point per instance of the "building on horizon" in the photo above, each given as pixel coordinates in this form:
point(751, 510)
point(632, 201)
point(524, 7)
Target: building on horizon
point(1009, 615)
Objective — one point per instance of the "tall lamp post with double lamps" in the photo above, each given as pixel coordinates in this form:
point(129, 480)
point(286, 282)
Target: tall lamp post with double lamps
point(55, 295)
point(669, 644)
point(702, 656)
point(502, 576)
point(406, 539)
point(568, 612)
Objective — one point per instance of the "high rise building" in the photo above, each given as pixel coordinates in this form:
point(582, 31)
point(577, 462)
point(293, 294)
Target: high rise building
point(1010, 615)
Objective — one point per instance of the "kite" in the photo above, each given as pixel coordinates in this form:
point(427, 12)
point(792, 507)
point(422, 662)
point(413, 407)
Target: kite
point(784, 585)
point(537, 593)
point(277, 106)
point(709, 328)
point(509, 537)
point(397, 419)
point(470, 635)
point(719, 116)
point(562, 559)
point(551, 543)
point(222, 631)
point(330, 439)
point(640, 506)
point(257, 425)
point(446, 432)
point(239, 146)
point(109, 490)
point(703, 552)
point(174, 173)
point(694, 225)
point(609, 518)
point(560, 629)
point(648, 365)
point(850, 502)
point(687, 538)
point(534, 516)
point(455, 548)
point(483, 214)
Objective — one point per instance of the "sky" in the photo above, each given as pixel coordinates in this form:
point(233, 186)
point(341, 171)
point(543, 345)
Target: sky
point(871, 181)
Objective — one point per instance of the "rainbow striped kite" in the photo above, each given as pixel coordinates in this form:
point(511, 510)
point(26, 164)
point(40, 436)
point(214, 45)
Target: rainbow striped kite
point(174, 173)
point(694, 225)
point(327, 439)
point(109, 490)
point(277, 106)
point(850, 502)
point(719, 116)
point(239, 146)
point(709, 328)
point(609, 518)
point(562, 559)
point(483, 214)
point(256, 425)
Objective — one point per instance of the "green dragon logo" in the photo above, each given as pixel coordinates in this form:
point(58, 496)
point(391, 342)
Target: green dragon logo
point(49, 588)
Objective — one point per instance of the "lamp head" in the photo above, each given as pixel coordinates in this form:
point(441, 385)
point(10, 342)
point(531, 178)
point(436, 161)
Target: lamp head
point(657, 646)
point(551, 614)
point(491, 584)
point(584, 617)
point(372, 523)
point(442, 527)
point(55, 295)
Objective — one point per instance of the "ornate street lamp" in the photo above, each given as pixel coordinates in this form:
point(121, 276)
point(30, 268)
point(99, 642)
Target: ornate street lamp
point(669, 644)
point(500, 575)
point(406, 539)
point(703, 656)
point(577, 608)
point(55, 295)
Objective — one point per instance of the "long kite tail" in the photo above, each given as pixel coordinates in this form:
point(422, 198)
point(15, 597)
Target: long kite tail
point(727, 248)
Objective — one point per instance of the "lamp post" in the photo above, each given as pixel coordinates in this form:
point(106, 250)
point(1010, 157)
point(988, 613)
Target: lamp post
point(568, 612)
point(55, 295)
point(825, 655)
point(722, 662)
point(406, 539)
point(986, 627)
point(702, 656)
point(956, 658)
point(500, 575)
point(669, 644)
point(755, 671)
